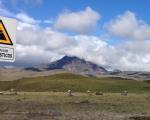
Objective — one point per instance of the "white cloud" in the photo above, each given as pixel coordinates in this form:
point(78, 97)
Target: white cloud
point(23, 17)
point(82, 21)
point(25, 21)
point(135, 56)
point(128, 26)
point(41, 45)
point(33, 55)
point(22, 25)
point(38, 46)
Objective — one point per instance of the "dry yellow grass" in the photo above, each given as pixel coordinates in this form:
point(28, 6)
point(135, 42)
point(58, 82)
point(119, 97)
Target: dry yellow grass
point(59, 106)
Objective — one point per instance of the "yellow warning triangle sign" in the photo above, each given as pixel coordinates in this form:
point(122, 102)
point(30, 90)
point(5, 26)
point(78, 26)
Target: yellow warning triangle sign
point(4, 36)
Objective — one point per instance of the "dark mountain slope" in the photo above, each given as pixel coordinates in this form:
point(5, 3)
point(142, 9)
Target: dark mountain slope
point(76, 65)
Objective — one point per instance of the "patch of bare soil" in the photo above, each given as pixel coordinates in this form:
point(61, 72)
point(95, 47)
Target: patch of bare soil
point(140, 118)
point(27, 111)
point(81, 110)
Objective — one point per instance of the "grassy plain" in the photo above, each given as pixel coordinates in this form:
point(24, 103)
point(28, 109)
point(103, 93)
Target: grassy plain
point(45, 98)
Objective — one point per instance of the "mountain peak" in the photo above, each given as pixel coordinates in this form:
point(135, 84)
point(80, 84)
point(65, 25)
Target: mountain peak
point(76, 65)
point(68, 59)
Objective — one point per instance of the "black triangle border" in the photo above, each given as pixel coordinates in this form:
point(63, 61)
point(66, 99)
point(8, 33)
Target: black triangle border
point(7, 35)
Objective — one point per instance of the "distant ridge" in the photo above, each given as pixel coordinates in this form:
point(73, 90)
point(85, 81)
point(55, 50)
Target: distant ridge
point(33, 69)
point(74, 65)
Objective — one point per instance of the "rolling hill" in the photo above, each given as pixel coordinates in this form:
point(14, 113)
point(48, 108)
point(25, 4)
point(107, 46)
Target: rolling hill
point(78, 83)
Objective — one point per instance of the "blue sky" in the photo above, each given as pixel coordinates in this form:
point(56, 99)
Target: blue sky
point(49, 9)
point(114, 34)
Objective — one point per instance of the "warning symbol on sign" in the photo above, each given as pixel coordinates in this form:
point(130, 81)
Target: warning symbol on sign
point(4, 36)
